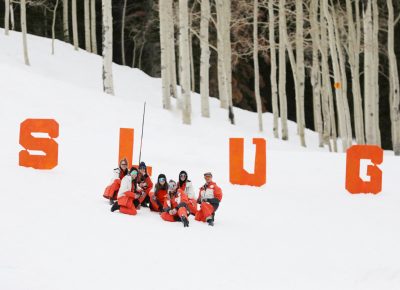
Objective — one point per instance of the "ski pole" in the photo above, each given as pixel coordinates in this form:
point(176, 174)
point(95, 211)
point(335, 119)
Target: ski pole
point(141, 138)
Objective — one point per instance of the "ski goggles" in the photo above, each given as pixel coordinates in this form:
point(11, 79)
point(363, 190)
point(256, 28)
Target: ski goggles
point(134, 173)
point(161, 179)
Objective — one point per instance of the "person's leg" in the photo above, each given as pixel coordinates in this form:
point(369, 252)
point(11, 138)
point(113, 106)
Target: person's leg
point(167, 217)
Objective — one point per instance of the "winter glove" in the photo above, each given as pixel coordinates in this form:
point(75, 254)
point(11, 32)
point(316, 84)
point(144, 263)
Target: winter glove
point(172, 212)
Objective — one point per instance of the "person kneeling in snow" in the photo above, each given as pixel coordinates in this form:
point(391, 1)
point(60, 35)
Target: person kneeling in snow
point(176, 206)
point(145, 183)
point(209, 198)
point(129, 194)
point(159, 196)
point(111, 191)
point(186, 185)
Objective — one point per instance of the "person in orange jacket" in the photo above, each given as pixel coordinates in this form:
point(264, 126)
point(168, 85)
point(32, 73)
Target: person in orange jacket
point(176, 205)
point(210, 196)
point(159, 196)
point(145, 183)
point(186, 185)
point(129, 194)
point(111, 190)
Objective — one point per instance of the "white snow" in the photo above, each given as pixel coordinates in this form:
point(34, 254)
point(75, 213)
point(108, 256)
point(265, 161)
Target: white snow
point(302, 230)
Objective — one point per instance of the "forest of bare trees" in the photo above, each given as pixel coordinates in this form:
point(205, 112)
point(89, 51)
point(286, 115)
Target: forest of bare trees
point(328, 65)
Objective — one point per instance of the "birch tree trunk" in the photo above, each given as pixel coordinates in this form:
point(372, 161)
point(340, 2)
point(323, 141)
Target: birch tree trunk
point(12, 16)
point(171, 50)
point(204, 58)
point(185, 63)
point(337, 77)
point(222, 84)
point(23, 29)
point(256, 66)
point(369, 90)
point(53, 36)
point(300, 71)
point(282, 69)
point(108, 85)
point(93, 25)
point(316, 71)
point(65, 21)
point(394, 82)
point(165, 77)
point(274, 88)
point(376, 68)
point(87, 25)
point(123, 32)
point(353, 57)
point(6, 16)
point(192, 76)
point(75, 25)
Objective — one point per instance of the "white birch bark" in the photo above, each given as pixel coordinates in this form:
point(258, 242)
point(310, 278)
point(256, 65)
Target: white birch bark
point(12, 16)
point(204, 58)
point(65, 21)
point(222, 84)
point(316, 71)
point(53, 36)
point(192, 76)
point(6, 16)
point(274, 88)
point(123, 32)
point(23, 29)
point(282, 69)
point(93, 25)
point(300, 72)
point(88, 46)
point(337, 77)
point(165, 77)
point(185, 59)
point(394, 83)
point(171, 50)
point(75, 25)
point(256, 66)
point(353, 58)
point(108, 85)
point(376, 69)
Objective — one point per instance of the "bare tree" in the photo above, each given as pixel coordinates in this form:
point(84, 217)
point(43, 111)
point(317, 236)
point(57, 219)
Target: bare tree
point(282, 69)
point(86, 9)
point(300, 72)
point(75, 25)
point(205, 58)
point(6, 16)
point(108, 84)
point(93, 25)
point(165, 59)
point(256, 66)
point(65, 21)
point(53, 34)
point(23, 28)
point(123, 33)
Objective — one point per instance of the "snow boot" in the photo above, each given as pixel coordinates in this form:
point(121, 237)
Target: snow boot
point(115, 206)
point(185, 221)
point(210, 222)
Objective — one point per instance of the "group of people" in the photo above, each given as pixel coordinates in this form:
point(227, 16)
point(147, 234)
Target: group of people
point(131, 189)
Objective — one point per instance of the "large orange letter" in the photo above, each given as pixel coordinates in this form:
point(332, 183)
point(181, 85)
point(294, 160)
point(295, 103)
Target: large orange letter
point(47, 145)
point(126, 140)
point(354, 183)
point(237, 174)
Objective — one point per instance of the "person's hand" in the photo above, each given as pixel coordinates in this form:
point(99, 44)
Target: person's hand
point(154, 197)
point(172, 212)
point(137, 195)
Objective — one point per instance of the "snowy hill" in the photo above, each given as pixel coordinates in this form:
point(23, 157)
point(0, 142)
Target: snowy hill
point(302, 230)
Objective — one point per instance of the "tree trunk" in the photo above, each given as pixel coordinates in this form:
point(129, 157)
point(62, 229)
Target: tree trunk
point(23, 29)
point(274, 89)
point(75, 25)
point(222, 84)
point(282, 69)
point(12, 16)
point(165, 77)
point(394, 83)
point(256, 66)
point(53, 36)
point(316, 71)
point(108, 85)
point(93, 25)
point(65, 21)
point(88, 46)
point(300, 72)
point(376, 68)
point(185, 59)
point(123, 32)
point(171, 50)
point(205, 58)
point(6, 16)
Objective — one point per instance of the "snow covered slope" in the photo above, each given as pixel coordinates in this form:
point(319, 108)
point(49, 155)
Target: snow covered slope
point(302, 230)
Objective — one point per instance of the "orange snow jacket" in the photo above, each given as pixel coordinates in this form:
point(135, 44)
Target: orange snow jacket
point(210, 190)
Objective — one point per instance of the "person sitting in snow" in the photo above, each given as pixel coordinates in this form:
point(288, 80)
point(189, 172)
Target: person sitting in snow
point(129, 194)
point(176, 206)
point(186, 185)
point(145, 183)
point(210, 196)
point(111, 191)
point(159, 196)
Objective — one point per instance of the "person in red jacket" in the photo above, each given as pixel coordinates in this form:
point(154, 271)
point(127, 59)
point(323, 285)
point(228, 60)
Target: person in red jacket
point(129, 194)
point(176, 205)
point(111, 191)
point(159, 196)
point(186, 185)
point(145, 183)
point(210, 196)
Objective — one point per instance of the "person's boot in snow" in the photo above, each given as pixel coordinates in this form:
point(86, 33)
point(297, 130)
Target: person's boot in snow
point(185, 221)
point(210, 222)
point(115, 206)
